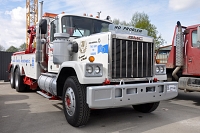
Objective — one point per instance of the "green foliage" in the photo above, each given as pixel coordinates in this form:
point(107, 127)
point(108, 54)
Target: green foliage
point(141, 20)
point(2, 48)
point(12, 49)
point(22, 47)
point(118, 22)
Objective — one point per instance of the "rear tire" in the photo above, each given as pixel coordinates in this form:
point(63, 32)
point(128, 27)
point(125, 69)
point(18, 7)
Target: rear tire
point(12, 78)
point(19, 83)
point(75, 108)
point(147, 107)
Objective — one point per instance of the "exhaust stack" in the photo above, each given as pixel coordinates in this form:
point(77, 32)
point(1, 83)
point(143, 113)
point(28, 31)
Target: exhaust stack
point(179, 45)
point(179, 50)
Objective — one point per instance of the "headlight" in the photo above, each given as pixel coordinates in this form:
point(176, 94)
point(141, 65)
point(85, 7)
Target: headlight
point(89, 69)
point(157, 69)
point(97, 69)
point(94, 70)
point(161, 69)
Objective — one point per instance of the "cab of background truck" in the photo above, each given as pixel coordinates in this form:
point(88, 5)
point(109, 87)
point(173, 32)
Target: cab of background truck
point(191, 51)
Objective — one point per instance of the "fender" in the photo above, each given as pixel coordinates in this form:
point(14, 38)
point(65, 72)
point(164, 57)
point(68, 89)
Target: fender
point(79, 68)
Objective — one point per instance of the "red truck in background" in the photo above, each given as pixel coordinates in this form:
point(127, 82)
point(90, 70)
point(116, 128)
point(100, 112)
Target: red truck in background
point(183, 63)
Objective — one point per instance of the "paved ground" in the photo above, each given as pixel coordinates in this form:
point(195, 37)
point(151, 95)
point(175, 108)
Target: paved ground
point(31, 113)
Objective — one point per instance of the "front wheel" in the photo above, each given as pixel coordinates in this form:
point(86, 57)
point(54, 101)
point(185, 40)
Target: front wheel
point(75, 108)
point(147, 107)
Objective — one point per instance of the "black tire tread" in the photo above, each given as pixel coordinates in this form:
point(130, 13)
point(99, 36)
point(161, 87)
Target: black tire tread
point(84, 109)
point(22, 86)
point(12, 78)
point(147, 107)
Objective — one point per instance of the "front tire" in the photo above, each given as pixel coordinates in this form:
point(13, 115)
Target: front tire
point(19, 83)
point(147, 107)
point(75, 108)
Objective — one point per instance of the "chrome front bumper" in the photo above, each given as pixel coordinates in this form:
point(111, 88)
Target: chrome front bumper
point(111, 96)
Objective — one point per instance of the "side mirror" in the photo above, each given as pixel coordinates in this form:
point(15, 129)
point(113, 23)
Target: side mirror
point(198, 34)
point(43, 26)
point(186, 32)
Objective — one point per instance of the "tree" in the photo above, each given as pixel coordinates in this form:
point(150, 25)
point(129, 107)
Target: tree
point(118, 22)
point(141, 20)
point(2, 48)
point(12, 49)
point(22, 47)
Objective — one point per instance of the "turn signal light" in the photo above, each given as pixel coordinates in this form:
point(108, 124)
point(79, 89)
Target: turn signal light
point(158, 61)
point(91, 58)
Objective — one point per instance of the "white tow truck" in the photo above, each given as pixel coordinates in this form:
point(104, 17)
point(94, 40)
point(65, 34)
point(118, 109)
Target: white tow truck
point(90, 63)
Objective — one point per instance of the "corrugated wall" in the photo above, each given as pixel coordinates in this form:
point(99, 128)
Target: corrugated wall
point(5, 58)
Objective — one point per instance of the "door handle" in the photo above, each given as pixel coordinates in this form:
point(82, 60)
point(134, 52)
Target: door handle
point(190, 60)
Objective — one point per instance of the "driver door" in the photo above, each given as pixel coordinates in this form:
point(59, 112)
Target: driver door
point(193, 55)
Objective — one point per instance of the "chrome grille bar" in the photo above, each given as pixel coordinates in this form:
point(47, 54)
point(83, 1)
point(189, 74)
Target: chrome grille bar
point(121, 58)
point(132, 60)
point(151, 59)
point(137, 59)
point(126, 58)
point(142, 61)
point(115, 59)
point(147, 59)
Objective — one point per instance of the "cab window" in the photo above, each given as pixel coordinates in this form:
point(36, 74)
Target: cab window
point(194, 39)
point(77, 26)
point(54, 29)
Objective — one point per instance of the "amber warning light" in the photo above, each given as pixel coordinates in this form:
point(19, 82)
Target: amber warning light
point(91, 58)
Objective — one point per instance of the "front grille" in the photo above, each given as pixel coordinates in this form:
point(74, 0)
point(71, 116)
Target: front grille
point(131, 59)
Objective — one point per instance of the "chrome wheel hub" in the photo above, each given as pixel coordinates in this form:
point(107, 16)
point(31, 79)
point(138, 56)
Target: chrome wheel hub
point(70, 102)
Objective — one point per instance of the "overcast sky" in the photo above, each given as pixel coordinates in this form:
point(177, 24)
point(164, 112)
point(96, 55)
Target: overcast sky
point(163, 14)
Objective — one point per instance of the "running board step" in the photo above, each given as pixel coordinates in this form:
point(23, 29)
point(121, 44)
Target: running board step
point(43, 94)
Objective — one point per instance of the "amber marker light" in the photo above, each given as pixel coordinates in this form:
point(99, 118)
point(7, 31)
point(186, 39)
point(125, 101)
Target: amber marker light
point(91, 58)
point(158, 61)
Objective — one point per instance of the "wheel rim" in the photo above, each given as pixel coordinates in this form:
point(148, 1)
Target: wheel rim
point(16, 81)
point(70, 102)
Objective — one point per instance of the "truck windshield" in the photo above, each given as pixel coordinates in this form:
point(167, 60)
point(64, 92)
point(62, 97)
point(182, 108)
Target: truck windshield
point(81, 26)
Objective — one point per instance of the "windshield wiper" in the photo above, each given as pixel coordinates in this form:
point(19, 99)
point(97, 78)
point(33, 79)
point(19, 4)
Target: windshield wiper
point(77, 29)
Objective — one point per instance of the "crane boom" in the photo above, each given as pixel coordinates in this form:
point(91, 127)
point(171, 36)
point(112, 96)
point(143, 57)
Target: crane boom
point(31, 16)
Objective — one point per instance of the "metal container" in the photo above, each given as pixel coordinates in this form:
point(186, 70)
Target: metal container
point(60, 48)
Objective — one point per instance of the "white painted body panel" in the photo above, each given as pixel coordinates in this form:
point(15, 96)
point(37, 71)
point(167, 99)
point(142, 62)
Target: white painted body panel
point(27, 62)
